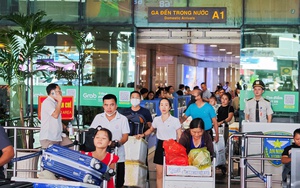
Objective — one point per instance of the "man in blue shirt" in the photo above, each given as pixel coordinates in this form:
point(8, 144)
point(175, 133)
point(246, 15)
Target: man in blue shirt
point(203, 110)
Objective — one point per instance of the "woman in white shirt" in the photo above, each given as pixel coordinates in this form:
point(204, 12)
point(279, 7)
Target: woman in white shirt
point(168, 127)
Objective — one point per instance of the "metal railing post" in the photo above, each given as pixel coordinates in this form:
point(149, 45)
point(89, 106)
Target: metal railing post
point(243, 168)
point(269, 181)
point(262, 163)
point(230, 166)
point(15, 151)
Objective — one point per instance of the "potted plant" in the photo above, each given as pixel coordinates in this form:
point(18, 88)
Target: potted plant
point(21, 45)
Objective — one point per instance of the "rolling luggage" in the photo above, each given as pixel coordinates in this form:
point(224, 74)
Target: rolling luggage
point(73, 165)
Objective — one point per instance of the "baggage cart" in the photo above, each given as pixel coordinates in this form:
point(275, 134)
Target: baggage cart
point(188, 176)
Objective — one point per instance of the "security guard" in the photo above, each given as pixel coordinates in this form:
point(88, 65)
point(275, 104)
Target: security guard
point(258, 109)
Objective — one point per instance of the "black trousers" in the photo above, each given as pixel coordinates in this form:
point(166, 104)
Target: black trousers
point(120, 176)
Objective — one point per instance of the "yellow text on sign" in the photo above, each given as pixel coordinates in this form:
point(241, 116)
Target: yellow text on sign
point(218, 15)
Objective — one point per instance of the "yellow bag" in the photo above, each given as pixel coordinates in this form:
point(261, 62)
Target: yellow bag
point(199, 158)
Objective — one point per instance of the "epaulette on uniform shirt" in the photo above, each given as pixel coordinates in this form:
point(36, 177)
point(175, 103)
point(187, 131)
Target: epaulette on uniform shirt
point(249, 99)
point(266, 99)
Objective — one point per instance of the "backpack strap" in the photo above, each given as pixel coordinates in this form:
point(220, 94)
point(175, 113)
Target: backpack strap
point(111, 158)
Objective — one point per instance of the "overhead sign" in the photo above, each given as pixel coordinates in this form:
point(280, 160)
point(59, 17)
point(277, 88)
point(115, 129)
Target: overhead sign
point(67, 107)
point(187, 14)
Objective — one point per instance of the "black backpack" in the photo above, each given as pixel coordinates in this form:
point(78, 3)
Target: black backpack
point(136, 123)
point(87, 140)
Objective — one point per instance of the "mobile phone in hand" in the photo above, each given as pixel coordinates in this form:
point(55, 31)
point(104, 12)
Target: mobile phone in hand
point(53, 93)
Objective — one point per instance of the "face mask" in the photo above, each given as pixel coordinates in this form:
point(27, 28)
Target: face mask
point(135, 102)
point(110, 114)
point(193, 99)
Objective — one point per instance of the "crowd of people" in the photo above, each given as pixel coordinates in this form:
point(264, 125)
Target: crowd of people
point(209, 111)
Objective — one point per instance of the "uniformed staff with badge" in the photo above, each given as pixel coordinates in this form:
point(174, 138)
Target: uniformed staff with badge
point(258, 109)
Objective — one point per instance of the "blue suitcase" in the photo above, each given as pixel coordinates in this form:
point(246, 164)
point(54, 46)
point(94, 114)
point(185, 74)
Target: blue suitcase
point(73, 165)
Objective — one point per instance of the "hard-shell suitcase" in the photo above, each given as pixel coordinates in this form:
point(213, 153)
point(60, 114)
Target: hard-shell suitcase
point(73, 165)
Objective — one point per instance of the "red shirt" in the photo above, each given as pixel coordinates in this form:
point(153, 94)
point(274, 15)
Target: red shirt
point(107, 160)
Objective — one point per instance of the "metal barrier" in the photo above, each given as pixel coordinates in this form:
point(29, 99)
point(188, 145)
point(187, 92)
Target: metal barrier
point(244, 156)
point(16, 149)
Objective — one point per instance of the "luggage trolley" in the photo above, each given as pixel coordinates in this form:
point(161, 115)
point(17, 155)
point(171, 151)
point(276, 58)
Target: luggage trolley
point(188, 176)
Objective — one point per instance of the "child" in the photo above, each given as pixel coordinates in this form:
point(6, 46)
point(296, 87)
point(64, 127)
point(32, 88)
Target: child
point(168, 127)
point(102, 139)
point(213, 102)
point(286, 155)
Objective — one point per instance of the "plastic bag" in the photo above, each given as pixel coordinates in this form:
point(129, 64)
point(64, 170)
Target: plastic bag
point(199, 158)
point(219, 149)
point(175, 153)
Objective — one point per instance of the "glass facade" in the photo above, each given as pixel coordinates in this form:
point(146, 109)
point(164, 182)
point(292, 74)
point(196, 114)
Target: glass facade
point(272, 12)
point(109, 59)
point(271, 54)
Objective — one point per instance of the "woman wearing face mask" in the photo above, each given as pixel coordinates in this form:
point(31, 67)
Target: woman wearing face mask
point(168, 127)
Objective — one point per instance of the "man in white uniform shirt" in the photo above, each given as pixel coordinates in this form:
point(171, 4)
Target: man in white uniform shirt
point(118, 125)
point(51, 124)
point(258, 109)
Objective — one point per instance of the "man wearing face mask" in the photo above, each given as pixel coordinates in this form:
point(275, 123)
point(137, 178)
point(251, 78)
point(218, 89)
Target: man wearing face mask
point(135, 100)
point(118, 125)
point(203, 110)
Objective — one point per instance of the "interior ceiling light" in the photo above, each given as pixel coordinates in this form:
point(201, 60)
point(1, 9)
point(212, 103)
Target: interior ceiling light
point(229, 53)
point(213, 45)
point(222, 50)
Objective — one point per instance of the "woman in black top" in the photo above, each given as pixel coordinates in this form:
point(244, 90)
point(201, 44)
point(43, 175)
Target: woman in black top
point(225, 114)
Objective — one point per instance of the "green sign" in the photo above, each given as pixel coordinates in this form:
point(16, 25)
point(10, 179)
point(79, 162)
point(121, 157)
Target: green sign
point(187, 14)
point(89, 95)
point(92, 96)
point(273, 147)
point(281, 101)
